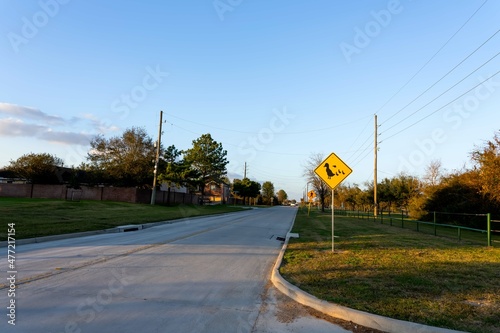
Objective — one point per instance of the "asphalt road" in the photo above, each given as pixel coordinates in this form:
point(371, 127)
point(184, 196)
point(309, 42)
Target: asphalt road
point(200, 275)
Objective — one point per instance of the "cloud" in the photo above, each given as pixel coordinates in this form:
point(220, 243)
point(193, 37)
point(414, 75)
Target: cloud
point(23, 121)
point(66, 137)
point(19, 111)
point(17, 128)
point(100, 125)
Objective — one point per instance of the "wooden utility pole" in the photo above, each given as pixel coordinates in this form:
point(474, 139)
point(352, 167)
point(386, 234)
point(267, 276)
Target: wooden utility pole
point(245, 171)
point(375, 203)
point(155, 172)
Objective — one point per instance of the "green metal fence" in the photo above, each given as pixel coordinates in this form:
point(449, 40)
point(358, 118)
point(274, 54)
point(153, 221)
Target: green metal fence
point(489, 235)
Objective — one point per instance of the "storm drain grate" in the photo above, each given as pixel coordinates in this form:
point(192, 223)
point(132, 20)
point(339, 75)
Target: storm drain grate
point(127, 228)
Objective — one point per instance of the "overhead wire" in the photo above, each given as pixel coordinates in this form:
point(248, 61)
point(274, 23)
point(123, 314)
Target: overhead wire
point(431, 58)
point(445, 75)
point(361, 149)
point(359, 160)
point(359, 135)
point(442, 107)
point(447, 90)
point(276, 133)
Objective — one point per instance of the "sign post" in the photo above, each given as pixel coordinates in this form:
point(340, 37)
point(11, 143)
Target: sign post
point(333, 171)
point(333, 220)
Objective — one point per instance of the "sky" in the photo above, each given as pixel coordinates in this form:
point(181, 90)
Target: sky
point(274, 81)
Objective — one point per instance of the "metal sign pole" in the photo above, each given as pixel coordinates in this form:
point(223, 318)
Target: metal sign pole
point(333, 219)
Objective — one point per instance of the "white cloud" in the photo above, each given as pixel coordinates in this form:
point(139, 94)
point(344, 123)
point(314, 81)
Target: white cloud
point(15, 127)
point(102, 126)
point(29, 113)
point(23, 121)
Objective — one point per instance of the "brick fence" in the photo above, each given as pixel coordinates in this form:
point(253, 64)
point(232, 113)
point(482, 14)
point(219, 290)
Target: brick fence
point(124, 194)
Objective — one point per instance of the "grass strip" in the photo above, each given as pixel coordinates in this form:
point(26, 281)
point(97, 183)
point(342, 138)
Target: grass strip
point(394, 272)
point(46, 217)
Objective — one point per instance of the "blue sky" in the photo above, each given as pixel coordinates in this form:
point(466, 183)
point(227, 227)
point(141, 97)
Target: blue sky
point(273, 81)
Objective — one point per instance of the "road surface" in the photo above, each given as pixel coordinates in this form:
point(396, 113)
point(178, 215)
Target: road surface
point(201, 275)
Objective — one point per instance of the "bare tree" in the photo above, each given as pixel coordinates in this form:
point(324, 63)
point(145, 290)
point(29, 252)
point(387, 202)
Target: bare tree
point(433, 173)
point(322, 190)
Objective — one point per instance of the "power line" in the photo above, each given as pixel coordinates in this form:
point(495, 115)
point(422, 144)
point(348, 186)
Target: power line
point(362, 131)
point(275, 133)
point(360, 150)
point(442, 107)
point(358, 159)
point(447, 90)
point(431, 58)
point(445, 75)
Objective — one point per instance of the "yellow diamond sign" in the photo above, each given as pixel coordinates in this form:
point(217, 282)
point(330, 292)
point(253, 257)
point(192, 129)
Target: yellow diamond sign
point(333, 171)
point(311, 195)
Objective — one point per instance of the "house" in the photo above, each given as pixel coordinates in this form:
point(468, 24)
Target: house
point(217, 192)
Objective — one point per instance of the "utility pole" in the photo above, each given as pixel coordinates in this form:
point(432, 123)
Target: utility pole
point(375, 204)
point(245, 171)
point(155, 173)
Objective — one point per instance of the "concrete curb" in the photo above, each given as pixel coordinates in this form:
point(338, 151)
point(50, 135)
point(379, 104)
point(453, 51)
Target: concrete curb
point(359, 317)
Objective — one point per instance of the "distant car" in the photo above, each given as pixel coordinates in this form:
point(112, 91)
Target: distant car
point(292, 205)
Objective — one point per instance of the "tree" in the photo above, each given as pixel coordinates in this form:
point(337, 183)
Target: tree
point(433, 173)
point(352, 195)
point(268, 192)
point(208, 158)
point(322, 190)
point(282, 196)
point(37, 168)
point(177, 172)
point(125, 160)
point(459, 192)
point(404, 188)
point(246, 188)
point(386, 195)
point(487, 162)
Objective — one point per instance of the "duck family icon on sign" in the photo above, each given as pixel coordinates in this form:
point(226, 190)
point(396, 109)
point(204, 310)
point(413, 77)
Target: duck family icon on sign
point(335, 172)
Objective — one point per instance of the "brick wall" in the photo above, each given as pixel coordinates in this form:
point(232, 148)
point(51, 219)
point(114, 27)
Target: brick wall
point(123, 194)
point(15, 190)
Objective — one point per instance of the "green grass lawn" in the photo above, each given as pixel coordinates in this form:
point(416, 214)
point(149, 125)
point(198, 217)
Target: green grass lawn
point(396, 272)
point(45, 217)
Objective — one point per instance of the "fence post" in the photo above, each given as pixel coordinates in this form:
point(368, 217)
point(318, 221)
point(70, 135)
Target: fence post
point(488, 226)
point(435, 227)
